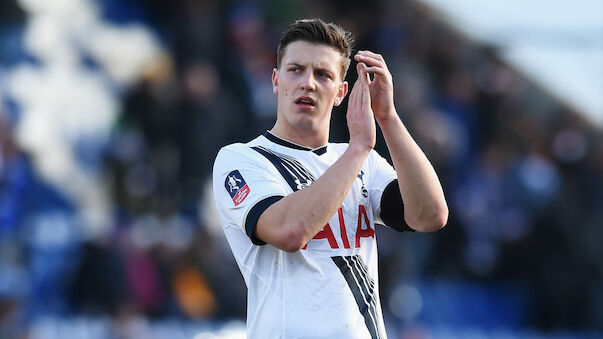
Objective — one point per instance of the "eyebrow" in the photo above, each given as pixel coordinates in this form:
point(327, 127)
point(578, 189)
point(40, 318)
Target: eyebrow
point(294, 64)
point(320, 69)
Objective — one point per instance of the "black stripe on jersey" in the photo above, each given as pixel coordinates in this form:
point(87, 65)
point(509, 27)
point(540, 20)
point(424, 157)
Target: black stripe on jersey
point(392, 208)
point(277, 140)
point(367, 286)
point(296, 175)
point(363, 270)
point(362, 286)
point(253, 216)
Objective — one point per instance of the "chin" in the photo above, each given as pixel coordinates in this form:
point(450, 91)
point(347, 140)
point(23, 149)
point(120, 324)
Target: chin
point(303, 122)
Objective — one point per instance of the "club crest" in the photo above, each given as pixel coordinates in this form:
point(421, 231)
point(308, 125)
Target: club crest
point(363, 189)
point(236, 187)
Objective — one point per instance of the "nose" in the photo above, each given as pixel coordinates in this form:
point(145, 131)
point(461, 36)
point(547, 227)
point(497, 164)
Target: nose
point(308, 81)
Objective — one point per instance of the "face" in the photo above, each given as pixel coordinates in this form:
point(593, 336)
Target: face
point(308, 84)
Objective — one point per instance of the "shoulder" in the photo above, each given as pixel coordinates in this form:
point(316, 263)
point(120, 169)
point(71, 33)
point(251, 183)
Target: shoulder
point(232, 150)
point(236, 151)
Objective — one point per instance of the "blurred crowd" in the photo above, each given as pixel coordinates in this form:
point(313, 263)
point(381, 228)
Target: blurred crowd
point(105, 207)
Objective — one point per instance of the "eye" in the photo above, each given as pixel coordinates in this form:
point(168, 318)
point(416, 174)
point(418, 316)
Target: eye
point(295, 69)
point(324, 75)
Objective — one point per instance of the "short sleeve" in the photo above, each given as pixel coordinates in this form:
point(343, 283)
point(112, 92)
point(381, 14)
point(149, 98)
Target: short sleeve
point(381, 175)
point(244, 184)
point(386, 200)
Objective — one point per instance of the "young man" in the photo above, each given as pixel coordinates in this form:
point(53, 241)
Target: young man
point(299, 213)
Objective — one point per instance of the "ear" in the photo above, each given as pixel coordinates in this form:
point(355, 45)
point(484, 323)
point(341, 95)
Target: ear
point(343, 90)
point(275, 80)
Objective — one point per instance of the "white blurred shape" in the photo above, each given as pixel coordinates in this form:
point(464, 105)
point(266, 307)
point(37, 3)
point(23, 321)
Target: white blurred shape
point(55, 7)
point(572, 74)
point(124, 52)
point(406, 302)
point(146, 232)
point(234, 329)
point(60, 106)
point(75, 100)
point(47, 38)
point(64, 104)
point(132, 325)
point(178, 234)
point(55, 27)
point(557, 44)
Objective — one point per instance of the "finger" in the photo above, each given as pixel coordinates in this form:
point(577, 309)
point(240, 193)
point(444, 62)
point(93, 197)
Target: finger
point(354, 99)
point(358, 98)
point(364, 91)
point(377, 71)
point(359, 67)
point(370, 59)
point(362, 72)
point(372, 55)
point(366, 94)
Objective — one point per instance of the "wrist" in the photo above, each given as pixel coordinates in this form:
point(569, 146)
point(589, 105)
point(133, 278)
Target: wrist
point(387, 117)
point(358, 149)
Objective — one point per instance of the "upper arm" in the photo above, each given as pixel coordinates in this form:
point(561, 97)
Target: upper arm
point(385, 193)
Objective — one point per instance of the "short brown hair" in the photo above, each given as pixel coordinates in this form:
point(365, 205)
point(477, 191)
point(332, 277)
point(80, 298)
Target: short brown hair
point(320, 32)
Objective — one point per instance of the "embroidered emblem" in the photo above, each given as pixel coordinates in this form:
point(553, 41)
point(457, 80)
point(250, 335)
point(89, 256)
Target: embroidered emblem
point(236, 187)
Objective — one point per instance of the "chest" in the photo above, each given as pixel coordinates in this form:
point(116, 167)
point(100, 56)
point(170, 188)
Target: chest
point(353, 223)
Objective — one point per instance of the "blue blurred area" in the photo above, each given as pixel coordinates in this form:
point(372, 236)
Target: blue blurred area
point(461, 304)
point(110, 121)
point(122, 12)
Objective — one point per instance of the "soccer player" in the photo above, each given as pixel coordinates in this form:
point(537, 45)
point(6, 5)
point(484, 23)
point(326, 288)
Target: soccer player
point(299, 212)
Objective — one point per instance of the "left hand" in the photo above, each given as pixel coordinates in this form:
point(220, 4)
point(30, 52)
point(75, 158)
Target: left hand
point(381, 87)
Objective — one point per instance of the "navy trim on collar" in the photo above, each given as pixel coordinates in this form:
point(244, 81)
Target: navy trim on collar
point(277, 140)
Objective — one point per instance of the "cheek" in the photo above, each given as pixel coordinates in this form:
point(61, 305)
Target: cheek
point(335, 92)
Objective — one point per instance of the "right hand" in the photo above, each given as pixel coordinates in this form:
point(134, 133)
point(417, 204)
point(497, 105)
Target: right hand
point(360, 117)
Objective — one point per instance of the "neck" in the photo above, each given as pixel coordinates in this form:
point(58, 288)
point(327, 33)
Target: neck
point(311, 138)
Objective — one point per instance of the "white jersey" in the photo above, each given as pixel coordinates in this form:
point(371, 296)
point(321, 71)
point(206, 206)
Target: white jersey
point(328, 289)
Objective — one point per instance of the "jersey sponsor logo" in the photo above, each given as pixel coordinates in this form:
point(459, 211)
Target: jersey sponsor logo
point(236, 187)
point(361, 232)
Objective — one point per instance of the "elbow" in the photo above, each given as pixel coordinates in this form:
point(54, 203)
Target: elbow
point(286, 236)
point(439, 220)
point(430, 221)
point(293, 239)
point(291, 246)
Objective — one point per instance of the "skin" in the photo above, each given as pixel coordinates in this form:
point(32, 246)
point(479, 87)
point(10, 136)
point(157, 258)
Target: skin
point(311, 71)
point(307, 70)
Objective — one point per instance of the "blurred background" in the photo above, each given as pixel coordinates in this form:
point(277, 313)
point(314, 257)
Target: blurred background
point(112, 111)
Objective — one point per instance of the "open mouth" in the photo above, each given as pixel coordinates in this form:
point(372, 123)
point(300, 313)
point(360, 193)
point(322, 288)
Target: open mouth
point(305, 101)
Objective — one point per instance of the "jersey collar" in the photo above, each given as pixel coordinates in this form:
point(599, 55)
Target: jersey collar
point(280, 141)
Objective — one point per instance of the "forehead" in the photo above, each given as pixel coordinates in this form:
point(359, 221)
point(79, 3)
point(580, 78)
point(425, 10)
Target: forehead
point(316, 55)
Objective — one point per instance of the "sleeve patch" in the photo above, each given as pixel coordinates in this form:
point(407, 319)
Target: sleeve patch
point(236, 187)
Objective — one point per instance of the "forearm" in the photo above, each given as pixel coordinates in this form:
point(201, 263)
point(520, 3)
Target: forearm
point(425, 207)
point(292, 221)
